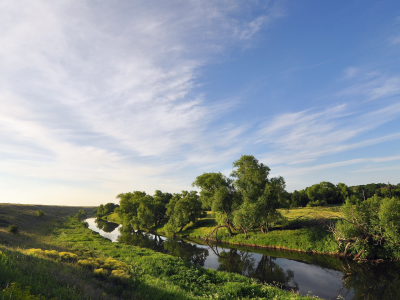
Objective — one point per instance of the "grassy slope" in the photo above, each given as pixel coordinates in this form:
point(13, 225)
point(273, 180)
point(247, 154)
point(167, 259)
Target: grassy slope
point(140, 273)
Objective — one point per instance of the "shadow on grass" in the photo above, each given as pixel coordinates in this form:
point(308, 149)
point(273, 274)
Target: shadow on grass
point(59, 280)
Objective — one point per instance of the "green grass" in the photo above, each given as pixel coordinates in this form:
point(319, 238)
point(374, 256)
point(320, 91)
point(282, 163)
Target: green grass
point(311, 213)
point(305, 230)
point(113, 218)
point(86, 270)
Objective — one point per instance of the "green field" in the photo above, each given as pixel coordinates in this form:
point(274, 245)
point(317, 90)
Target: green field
point(57, 257)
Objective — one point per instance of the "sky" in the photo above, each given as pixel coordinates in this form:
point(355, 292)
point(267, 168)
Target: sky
point(99, 98)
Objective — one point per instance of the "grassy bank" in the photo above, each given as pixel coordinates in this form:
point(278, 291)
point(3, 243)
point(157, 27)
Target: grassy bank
point(310, 233)
point(56, 257)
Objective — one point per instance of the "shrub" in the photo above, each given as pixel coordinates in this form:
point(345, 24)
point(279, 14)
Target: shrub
point(110, 263)
point(89, 263)
point(119, 275)
point(13, 229)
point(40, 213)
point(68, 256)
point(370, 228)
point(16, 291)
point(33, 251)
point(51, 253)
point(101, 273)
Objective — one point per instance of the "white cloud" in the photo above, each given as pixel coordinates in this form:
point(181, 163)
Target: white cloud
point(104, 93)
point(373, 86)
point(302, 137)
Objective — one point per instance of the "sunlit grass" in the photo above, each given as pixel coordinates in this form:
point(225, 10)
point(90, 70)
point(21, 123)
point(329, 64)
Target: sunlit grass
point(59, 258)
point(307, 213)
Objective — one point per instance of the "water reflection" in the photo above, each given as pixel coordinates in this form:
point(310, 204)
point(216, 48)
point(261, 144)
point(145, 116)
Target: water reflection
point(372, 280)
point(266, 270)
point(325, 276)
point(106, 226)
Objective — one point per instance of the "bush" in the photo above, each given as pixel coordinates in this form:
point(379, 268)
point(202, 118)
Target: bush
point(89, 263)
point(100, 273)
point(13, 229)
point(51, 253)
point(16, 291)
point(33, 251)
point(40, 213)
point(369, 229)
point(68, 256)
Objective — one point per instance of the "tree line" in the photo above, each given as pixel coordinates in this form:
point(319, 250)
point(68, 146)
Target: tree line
point(325, 193)
point(246, 199)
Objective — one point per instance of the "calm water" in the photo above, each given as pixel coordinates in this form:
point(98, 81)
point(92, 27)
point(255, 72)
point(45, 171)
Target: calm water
point(324, 276)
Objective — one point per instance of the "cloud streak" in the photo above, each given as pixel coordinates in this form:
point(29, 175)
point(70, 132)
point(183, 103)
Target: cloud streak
point(102, 92)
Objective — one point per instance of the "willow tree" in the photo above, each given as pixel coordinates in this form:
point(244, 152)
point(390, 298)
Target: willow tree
point(260, 195)
point(248, 199)
point(182, 209)
point(218, 194)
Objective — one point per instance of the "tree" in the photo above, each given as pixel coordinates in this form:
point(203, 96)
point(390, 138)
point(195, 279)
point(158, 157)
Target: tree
point(128, 209)
point(370, 228)
point(81, 214)
point(343, 191)
point(260, 195)
point(251, 178)
point(40, 213)
point(183, 208)
point(109, 208)
point(324, 193)
point(218, 194)
point(160, 201)
point(144, 217)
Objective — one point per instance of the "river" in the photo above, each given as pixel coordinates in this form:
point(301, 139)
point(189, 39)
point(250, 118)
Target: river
point(325, 276)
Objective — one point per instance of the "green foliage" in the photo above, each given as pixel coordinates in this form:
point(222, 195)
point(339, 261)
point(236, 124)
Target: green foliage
point(260, 195)
point(183, 209)
point(13, 229)
point(218, 194)
point(139, 210)
point(316, 203)
point(18, 292)
point(104, 210)
point(325, 191)
point(389, 217)
point(81, 215)
point(40, 213)
point(248, 200)
point(370, 228)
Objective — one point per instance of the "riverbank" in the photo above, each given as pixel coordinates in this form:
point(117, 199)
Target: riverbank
point(310, 236)
point(58, 257)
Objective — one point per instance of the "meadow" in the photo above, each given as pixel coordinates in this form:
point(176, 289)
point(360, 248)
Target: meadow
point(54, 256)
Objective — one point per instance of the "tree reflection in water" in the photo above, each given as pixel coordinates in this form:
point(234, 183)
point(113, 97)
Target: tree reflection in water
point(153, 242)
point(105, 225)
point(266, 270)
point(188, 252)
point(371, 280)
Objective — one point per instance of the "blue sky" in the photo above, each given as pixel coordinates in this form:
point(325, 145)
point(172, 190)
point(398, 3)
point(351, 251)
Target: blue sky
point(99, 98)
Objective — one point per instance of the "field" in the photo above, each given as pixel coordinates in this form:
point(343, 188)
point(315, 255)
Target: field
point(56, 257)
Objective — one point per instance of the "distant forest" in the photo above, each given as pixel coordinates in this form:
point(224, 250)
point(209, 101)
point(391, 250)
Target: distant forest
point(324, 193)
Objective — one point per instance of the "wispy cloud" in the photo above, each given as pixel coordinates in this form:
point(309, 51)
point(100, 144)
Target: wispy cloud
point(297, 144)
point(99, 92)
point(307, 135)
point(372, 86)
